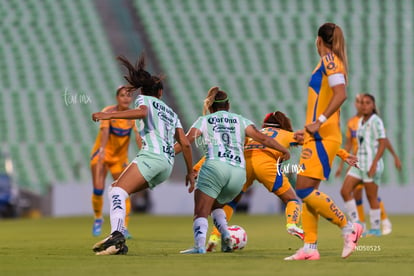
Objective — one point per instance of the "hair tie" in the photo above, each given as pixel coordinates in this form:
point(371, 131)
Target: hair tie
point(220, 101)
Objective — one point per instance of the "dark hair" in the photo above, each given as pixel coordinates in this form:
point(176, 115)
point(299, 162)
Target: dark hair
point(139, 78)
point(277, 119)
point(372, 98)
point(333, 38)
point(216, 99)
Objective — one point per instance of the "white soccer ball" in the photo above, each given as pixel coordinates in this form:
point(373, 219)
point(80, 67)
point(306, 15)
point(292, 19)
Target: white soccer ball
point(239, 236)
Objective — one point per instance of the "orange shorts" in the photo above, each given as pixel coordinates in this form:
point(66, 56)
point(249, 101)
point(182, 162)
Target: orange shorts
point(115, 165)
point(262, 167)
point(317, 157)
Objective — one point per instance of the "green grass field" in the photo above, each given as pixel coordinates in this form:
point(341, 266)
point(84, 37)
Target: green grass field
point(62, 246)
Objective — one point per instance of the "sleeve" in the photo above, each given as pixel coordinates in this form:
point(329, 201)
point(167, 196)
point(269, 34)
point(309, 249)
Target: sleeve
point(379, 130)
point(334, 69)
point(197, 123)
point(200, 163)
point(139, 101)
point(343, 154)
point(178, 124)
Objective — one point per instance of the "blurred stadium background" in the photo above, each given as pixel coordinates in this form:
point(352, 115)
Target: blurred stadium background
point(57, 60)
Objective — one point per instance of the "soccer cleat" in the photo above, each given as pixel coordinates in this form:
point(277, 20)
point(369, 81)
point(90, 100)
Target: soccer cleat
point(386, 227)
point(213, 241)
point(372, 233)
point(292, 229)
point(194, 250)
point(227, 244)
point(305, 255)
point(97, 227)
point(111, 245)
point(351, 240)
point(127, 235)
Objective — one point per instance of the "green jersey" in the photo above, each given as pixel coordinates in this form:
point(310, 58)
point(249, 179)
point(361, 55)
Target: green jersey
point(368, 134)
point(223, 136)
point(157, 129)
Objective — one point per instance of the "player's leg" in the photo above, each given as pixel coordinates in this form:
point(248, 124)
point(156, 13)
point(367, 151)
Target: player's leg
point(116, 170)
point(351, 180)
point(98, 180)
point(131, 180)
point(371, 190)
point(358, 196)
point(292, 209)
point(385, 221)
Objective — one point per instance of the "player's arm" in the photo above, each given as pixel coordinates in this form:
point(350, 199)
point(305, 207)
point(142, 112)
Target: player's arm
point(138, 113)
point(252, 132)
point(186, 149)
point(381, 148)
point(348, 158)
point(138, 139)
point(338, 98)
point(191, 135)
point(347, 148)
point(390, 148)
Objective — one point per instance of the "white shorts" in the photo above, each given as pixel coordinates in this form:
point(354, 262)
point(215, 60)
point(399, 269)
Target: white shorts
point(363, 175)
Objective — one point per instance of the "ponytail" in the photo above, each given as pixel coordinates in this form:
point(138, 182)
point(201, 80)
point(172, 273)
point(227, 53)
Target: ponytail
point(139, 78)
point(215, 99)
point(333, 38)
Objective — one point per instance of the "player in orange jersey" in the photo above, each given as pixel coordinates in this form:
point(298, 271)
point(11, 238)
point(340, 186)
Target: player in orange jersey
point(326, 94)
point(110, 152)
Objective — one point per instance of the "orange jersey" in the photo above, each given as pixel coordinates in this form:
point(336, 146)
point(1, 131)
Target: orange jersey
point(118, 140)
point(283, 137)
point(351, 130)
point(319, 96)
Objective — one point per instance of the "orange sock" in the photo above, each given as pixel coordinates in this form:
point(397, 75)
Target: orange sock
point(310, 220)
point(325, 206)
point(292, 212)
point(127, 211)
point(383, 213)
point(360, 209)
point(97, 202)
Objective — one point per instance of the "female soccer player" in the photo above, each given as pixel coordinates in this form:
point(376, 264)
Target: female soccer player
point(351, 145)
point(326, 93)
point(110, 152)
point(371, 145)
point(263, 164)
point(220, 180)
point(159, 126)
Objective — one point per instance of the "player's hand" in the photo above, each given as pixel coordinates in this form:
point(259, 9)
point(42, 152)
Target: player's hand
point(299, 136)
point(372, 170)
point(195, 172)
point(286, 156)
point(397, 163)
point(313, 127)
point(190, 180)
point(352, 161)
point(101, 116)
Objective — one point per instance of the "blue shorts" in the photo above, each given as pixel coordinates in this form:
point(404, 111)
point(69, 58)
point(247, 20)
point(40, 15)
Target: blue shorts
point(153, 167)
point(220, 180)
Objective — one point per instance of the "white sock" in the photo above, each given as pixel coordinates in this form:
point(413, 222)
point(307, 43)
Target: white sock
point(375, 218)
point(220, 221)
point(200, 226)
point(117, 197)
point(310, 246)
point(351, 210)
